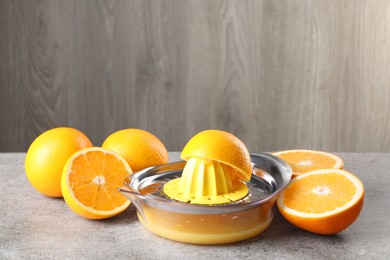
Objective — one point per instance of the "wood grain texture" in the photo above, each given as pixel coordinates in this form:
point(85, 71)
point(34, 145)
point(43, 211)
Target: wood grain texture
point(278, 74)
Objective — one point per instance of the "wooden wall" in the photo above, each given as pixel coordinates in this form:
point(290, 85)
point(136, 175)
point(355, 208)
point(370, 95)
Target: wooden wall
point(278, 74)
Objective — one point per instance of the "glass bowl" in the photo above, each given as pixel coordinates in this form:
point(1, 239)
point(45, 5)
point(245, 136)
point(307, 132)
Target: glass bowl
point(207, 224)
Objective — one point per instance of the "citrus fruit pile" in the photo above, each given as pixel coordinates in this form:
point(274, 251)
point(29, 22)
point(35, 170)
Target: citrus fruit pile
point(321, 197)
point(62, 162)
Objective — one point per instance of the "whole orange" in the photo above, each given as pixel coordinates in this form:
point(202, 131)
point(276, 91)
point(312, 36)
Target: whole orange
point(47, 156)
point(138, 147)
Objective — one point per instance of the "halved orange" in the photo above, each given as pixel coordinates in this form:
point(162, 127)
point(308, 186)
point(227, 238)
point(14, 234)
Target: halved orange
point(222, 147)
point(302, 161)
point(90, 180)
point(324, 201)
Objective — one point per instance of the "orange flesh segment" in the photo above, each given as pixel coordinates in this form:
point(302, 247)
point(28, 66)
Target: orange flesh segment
point(319, 193)
point(94, 184)
point(304, 162)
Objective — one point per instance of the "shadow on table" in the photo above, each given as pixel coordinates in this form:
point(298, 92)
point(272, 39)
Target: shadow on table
point(281, 230)
point(129, 215)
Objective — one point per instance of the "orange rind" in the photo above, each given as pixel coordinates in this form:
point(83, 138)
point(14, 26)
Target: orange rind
point(222, 147)
point(138, 147)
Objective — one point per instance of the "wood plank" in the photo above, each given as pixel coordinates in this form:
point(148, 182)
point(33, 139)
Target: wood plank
point(279, 74)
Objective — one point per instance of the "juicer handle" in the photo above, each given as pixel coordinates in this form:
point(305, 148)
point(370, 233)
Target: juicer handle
point(130, 193)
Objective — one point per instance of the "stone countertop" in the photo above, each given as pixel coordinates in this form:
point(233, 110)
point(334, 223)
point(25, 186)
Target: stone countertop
point(33, 226)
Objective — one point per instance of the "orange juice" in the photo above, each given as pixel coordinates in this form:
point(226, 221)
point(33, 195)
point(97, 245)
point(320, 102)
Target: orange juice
point(207, 229)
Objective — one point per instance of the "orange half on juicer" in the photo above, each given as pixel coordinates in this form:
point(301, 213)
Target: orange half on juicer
point(218, 164)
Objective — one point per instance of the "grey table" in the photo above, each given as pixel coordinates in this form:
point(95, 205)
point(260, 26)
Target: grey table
point(34, 226)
